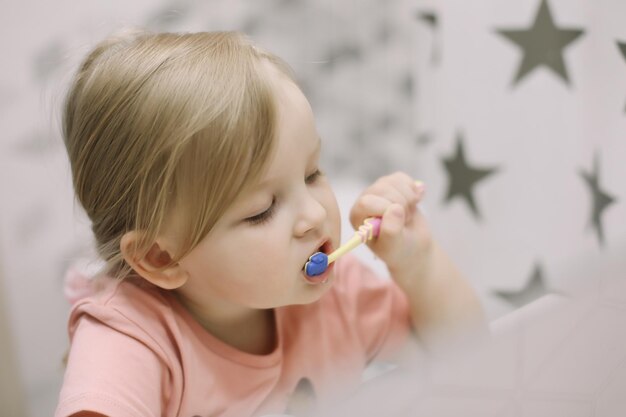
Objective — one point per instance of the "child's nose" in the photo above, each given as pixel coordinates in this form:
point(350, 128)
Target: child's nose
point(312, 216)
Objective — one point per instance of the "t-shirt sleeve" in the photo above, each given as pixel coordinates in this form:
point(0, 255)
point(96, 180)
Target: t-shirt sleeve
point(377, 307)
point(110, 373)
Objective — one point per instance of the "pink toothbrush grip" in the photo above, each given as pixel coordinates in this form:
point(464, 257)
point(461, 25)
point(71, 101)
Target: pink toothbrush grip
point(369, 229)
point(375, 222)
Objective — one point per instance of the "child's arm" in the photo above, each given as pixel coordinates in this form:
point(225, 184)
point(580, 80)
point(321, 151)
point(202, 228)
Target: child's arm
point(443, 305)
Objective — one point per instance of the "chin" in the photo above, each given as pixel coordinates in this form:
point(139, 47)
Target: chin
point(313, 293)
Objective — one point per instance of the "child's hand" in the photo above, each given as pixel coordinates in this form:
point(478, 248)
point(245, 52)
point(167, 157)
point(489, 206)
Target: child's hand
point(443, 304)
point(404, 238)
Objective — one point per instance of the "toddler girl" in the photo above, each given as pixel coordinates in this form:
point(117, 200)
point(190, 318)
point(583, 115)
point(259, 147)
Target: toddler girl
point(196, 158)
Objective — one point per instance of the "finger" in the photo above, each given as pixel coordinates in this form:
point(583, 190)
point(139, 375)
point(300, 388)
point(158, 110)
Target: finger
point(391, 228)
point(368, 205)
point(388, 190)
point(419, 188)
point(416, 191)
point(409, 192)
point(393, 220)
point(410, 188)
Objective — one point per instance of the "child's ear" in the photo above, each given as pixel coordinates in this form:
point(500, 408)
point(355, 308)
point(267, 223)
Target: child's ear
point(150, 266)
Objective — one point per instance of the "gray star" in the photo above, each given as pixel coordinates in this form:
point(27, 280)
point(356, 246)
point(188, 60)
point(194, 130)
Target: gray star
point(622, 48)
point(543, 44)
point(430, 18)
point(600, 199)
point(463, 177)
point(303, 399)
point(534, 289)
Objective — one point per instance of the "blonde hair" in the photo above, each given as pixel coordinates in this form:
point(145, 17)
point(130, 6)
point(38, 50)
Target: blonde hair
point(157, 123)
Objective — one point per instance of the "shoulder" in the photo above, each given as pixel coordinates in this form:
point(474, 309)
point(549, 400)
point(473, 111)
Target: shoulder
point(129, 297)
point(123, 357)
point(139, 311)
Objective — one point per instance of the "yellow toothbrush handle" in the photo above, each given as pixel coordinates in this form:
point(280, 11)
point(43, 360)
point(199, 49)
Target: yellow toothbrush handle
point(367, 231)
point(345, 248)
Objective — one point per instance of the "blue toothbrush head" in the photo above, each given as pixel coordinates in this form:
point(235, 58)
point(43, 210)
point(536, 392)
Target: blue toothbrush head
point(317, 264)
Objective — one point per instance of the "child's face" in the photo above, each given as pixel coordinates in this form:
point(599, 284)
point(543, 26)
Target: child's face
point(255, 254)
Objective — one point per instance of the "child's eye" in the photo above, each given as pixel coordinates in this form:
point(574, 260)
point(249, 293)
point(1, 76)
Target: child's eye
point(264, 216)
point(313, 177)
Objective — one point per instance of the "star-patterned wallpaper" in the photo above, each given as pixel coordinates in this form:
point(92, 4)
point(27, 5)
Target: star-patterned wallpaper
point(512, 112)
point(542, 44)
point(524, 109)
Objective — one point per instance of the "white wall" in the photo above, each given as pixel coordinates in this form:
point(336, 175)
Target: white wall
point(381, 105)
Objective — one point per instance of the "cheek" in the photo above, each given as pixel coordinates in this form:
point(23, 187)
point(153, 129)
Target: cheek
point(247, 256)
point(332, 208)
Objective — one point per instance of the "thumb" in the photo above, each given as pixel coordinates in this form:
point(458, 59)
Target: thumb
point(391, 228)
point(393, 220)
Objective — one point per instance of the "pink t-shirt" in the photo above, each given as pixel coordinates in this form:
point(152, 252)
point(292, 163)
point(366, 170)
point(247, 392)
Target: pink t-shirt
point(136, 351)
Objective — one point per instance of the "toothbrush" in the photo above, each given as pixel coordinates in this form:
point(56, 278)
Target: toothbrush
point(319, 261)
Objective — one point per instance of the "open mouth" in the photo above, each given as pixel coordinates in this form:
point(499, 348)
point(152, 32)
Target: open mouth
point(315, 268)
point(325, 248)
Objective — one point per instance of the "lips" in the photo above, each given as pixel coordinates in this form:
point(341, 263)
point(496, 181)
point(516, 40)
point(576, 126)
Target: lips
point(318, 279)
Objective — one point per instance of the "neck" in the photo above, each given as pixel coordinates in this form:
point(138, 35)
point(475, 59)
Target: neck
point(249, 330)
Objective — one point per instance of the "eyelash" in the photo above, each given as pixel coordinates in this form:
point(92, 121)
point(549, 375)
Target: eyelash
point(269, 213)
point(313, 177)
point(263, 217)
